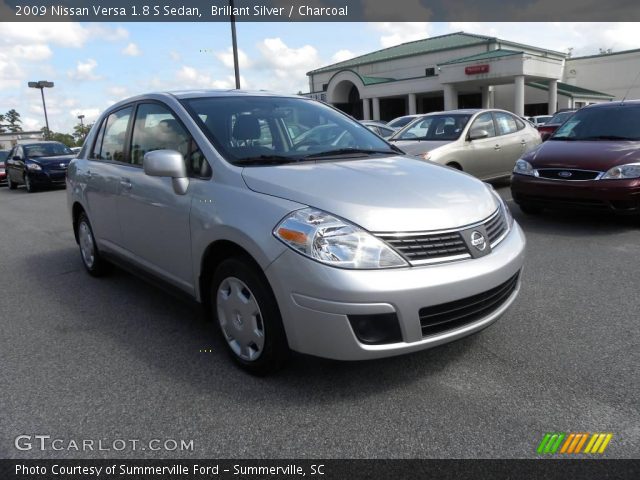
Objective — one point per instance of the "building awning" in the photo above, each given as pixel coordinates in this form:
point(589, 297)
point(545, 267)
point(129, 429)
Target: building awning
point(570, 90)
point(491, 54)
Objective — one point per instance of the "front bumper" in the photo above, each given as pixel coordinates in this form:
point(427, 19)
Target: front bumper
point(48, 177)
point(316, 300)
point(619, 196)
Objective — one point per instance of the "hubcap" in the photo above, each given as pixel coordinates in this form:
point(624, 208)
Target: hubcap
point(86, 244)
point(240, 318)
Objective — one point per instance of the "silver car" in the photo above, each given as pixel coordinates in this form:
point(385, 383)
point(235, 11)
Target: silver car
point(483, 143)
point(348, 252)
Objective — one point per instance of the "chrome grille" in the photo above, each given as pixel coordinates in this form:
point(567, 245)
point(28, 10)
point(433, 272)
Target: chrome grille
point(568, 174)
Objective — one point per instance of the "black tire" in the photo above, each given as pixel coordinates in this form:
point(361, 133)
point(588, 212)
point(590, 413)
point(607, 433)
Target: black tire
point(29, 184)
point(454, 165)
point(96, 267)
point(10, 184)
point(275, 349)
point(529, 209)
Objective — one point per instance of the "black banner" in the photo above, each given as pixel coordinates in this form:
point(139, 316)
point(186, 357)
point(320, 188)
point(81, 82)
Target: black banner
point(320, 469)
point(318, 10)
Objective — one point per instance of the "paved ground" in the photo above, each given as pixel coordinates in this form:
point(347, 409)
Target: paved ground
point(116, 358)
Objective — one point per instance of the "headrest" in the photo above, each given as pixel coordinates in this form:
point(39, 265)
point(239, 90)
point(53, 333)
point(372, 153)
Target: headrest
point(246, 127)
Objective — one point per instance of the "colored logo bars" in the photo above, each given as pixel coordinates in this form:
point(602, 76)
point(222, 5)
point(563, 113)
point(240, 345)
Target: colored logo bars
point(573, 443)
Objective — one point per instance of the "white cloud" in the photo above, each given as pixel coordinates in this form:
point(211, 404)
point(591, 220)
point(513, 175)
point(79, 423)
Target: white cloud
point(286, 66)
point(90, 115)
point(175, 56)
point(117, 91)
point(342, 55)
point(395, 33)
point(190, 77)
point(85, 70)
point(36, 52)
point(132, 50)
point(226, 58)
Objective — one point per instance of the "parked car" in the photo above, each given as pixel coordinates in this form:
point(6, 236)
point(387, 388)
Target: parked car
point(554, 122)
point(3, 174)
point(592, 162)
point(400, 122)
point(349, 253)
point(379, 129)
point(38, 164)
point(538, 120)
point(484, 143)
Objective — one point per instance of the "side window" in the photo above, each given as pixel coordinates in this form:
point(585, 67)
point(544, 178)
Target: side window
point(519, 123)
point(156, 128)
point(95, 153)
point(484, 121)
point(506, 123)
point(113, 139)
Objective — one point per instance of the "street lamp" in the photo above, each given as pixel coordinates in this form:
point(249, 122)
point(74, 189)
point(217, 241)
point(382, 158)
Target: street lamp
point(42, 84)
point(234, 45)
point(81, 117)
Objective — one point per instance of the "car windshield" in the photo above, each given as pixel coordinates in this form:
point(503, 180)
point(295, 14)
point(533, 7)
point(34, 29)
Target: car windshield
point(560, 118)
point(53, 149)
point(446, 127)
point(3, 155)
point(602, 123)
point(400, 122)
point(262, 130)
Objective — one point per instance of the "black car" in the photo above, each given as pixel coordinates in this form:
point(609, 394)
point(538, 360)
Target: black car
point(38, 164)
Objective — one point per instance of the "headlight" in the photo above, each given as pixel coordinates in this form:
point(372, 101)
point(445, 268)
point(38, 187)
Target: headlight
point(630, 170)
point(525, 168)
point(33, 166)
point(334, 241)
point(503, 206)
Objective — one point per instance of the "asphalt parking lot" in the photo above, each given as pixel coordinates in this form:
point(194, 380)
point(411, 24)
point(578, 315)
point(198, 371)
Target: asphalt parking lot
point(117, 358)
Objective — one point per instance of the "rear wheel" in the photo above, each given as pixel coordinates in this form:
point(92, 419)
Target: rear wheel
point(248, 317)
point(529, 209)
point(91, 259)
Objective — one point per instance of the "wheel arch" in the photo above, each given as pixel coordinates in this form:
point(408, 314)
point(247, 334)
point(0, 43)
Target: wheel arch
point(76, 210)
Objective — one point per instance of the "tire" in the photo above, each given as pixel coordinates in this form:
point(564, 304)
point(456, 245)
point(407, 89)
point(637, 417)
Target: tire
point(10, 184)
point(95, 265)
point(29, 184)
point(529, 209)
point(248, 317)
point(454, 165)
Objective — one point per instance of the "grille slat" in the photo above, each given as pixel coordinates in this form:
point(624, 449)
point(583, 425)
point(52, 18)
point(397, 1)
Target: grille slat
point(447, 316)
point(568, 174)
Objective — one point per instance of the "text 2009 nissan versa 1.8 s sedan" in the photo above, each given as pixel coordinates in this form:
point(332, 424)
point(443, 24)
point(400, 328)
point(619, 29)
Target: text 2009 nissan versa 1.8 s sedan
point(347, 250)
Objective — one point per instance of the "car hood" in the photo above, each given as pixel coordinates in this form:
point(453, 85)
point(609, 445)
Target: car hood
point(587, 155)
point(51, 161)
point(417, 147)
point(380, 194)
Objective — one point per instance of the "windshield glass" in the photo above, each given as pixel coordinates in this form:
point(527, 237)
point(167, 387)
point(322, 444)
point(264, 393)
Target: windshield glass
point(604, 123)
point(560, 117)
point(254, 130)
point(46, 150)
point(400, 122)
point(446, 127)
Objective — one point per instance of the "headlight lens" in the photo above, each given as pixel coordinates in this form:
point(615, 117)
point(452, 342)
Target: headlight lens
point(33, 166)
point(524, 168)
point(333, 241)
point(630, 170)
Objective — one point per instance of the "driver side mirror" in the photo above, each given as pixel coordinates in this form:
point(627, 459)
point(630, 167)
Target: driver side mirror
point(478, 134)
point(167, 163)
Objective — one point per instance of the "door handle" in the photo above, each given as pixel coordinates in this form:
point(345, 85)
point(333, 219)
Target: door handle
point(125, 183)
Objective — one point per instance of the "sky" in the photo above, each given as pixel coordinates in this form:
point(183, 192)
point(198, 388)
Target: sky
point(94, 65)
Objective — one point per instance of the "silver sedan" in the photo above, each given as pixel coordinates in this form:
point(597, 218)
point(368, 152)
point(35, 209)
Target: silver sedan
point(484, 143)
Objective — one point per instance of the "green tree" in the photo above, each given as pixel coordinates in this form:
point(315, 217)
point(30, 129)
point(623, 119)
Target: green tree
point(80, 132)
point(2, 130)
point(13, 120)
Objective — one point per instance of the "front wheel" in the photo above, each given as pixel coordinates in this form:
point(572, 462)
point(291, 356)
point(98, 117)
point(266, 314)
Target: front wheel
point(28, 183)
point(248, 316)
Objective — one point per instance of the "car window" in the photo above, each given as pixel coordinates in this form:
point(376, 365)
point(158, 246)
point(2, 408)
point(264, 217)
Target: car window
point(484, 121)
point(519, 123)
point(434, 127)
point(112, 142)
point(157, 128)
point(53, 149)
point(506, 123)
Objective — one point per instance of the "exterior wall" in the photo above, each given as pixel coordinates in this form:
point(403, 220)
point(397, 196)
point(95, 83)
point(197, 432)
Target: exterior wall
point(595, 73)
point(504, 96)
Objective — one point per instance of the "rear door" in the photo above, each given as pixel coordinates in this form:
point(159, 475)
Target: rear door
point(153, 218)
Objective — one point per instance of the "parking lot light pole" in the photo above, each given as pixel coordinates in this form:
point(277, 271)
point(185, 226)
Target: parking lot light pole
point(234, 44)
point(42, 84)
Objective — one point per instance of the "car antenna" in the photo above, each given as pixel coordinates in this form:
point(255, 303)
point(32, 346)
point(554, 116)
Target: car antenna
point(630, 87)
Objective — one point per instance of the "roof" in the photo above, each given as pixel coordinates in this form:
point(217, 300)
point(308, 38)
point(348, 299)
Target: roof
point(484, 56)
point(417, 47)
point(569, 90)
point(622, 52)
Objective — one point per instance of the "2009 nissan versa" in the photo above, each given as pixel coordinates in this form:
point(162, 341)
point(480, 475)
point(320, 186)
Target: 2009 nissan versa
point(345, 249)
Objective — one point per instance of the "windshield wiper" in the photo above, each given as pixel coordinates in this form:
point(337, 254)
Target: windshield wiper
point(347, 151)
point(267, 160)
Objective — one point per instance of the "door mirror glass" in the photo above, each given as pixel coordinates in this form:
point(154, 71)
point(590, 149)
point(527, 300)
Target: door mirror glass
point(167, 163)
point(478, 134)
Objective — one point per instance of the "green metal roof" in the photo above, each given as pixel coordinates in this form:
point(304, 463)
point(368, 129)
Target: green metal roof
point(427, 45)
point(569, 90)
point(374, 80)
point(484, 56)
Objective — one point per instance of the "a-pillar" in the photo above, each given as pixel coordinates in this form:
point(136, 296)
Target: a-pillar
point(376, 108)
point(412, 104)
point(450, 97)
point(518, 104)
point(553, 97)
point(366, 109)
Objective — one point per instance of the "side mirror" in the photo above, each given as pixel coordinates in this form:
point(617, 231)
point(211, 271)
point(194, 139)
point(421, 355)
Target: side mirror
point(545, 136)
point(17, 158)
point(167, 163)
point(478, 134)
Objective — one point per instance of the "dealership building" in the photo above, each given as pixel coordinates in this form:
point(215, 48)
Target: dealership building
point(462, 70)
